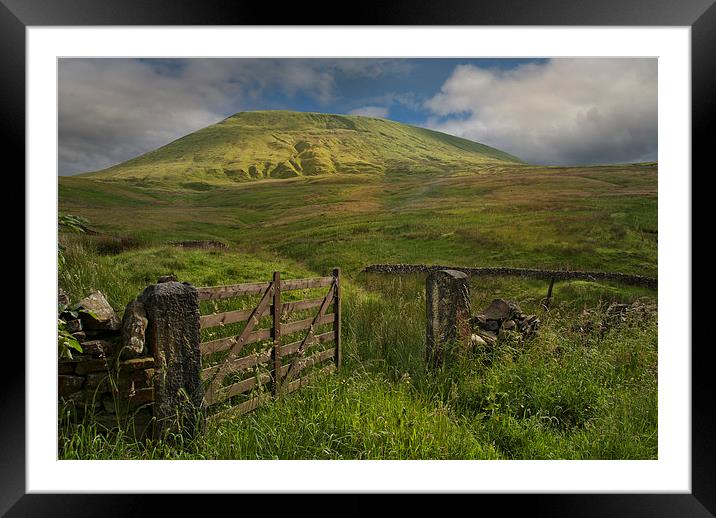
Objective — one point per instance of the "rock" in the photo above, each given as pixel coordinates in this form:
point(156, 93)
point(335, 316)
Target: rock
point(503, 318)
point(448, 312)
point(514, 307)
point(498, 309)
point(489, 337)
point(108, 403)
point(96, 365)
point(105, 421)
point(126, 382)
point(140, 422)
point(66, 367)
point(478, 321)
point(100, 335)
point(617, 308)
point(62, 298)
point(67, 384)
point(97, 382)
point(73, 326)
point(488, 325)
point(84, 398)
point(101, 348)
point(103, 316)
point(76, 358)
point(531, 325)
point(134, 326)
point(136, 364)
point(122, 401)
point(477, 340)
point(173, 338)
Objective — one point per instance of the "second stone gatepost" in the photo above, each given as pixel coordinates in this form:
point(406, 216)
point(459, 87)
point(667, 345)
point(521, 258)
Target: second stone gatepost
point(173, 337)
point(447, 294)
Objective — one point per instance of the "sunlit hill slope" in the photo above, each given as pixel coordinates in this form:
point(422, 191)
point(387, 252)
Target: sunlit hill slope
point(283, 144)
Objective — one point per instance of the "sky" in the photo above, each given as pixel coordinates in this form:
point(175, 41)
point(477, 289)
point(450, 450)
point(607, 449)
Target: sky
point(566, 111)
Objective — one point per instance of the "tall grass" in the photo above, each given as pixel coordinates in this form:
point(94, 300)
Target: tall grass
point(560, 395)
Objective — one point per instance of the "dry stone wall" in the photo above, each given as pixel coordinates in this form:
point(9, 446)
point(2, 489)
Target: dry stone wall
point(502, 317)
point(143, 370)
point(112, 380)
point(634, 280)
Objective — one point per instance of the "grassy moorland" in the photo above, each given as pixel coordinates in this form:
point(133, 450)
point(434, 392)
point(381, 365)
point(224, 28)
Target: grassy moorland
point(564, 394)
point(597, 218)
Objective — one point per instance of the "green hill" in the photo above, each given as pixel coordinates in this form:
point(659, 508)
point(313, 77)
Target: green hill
point(284, 144)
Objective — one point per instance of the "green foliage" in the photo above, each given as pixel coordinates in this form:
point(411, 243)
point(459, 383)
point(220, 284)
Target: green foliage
point(65, 341)
point(71, 223)
point(68, 223)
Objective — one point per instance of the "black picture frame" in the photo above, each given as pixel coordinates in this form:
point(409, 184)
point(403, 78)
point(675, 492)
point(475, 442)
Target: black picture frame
point(700, 15)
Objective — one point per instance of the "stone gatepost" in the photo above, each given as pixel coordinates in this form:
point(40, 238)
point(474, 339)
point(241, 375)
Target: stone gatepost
point(448, 311)
point(173, 338)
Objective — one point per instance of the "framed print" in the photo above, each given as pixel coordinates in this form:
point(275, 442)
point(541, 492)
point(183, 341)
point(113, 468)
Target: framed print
point(418, 183)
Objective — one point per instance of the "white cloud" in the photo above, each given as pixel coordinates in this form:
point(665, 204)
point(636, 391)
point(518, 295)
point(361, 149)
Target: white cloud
point(111, 110)
point(562, 111)
point(370, 111)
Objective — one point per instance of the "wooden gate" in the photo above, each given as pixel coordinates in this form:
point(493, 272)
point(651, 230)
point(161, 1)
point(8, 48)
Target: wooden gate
point(244, 367)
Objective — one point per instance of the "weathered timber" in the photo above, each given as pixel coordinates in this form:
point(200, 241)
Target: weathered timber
point(242, 408)
point(308, 362)
point(276, 332)
point(548, 298)
point(230, 317)
point(301, 325)
point(292, 307)
point(302, 284)
point(235, 290)
point(235, 345)
point(318, 339)
point(222, 344)
point(320, 316)
point(214, 376)
point(251, 404)
point(337, 315)
point(238, 365)
point(217, 395)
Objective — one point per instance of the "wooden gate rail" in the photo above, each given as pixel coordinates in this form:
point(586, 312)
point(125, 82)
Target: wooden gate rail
point(280, 376)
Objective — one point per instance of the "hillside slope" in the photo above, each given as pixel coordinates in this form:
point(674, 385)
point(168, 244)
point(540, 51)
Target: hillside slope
point(584, 218)
point(284, 144)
